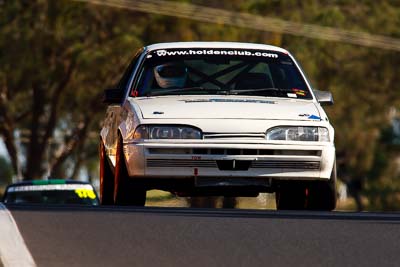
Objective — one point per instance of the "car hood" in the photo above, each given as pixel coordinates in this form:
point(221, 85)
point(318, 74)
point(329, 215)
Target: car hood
point(225, 107)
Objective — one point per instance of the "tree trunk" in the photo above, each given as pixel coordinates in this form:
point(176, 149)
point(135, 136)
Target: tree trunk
point(36, 147)
point(355, 186)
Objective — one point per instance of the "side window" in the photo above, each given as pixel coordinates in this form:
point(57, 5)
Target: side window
point(123, 82)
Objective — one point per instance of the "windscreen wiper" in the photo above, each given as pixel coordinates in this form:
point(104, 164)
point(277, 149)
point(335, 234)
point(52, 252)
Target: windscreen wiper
point(245, 91)
point(185, 91)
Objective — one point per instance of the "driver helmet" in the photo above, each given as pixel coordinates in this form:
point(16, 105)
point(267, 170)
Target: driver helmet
point(171, 75)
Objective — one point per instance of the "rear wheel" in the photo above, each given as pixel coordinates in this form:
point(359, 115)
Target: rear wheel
point(106, 178)
point(126, 191)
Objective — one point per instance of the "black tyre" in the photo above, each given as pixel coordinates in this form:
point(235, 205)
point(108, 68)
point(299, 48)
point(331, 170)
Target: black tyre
point(307, 195)
point(323, 194)
point(291, 195)
point(106, 178)
point(126, 191)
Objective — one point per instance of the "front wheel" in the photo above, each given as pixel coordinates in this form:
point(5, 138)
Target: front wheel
point(291, 195)
point(307, 195)
point(126, 191)
point(106, 178)
point(323, 194)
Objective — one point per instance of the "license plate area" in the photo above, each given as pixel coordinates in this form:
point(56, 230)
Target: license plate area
point(232, 182)
point(234, 165)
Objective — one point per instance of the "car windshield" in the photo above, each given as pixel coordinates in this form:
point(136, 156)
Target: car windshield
point(46, 195)
point(216, 71)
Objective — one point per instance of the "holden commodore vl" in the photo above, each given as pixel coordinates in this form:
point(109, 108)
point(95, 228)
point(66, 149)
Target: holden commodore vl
point(217, 118)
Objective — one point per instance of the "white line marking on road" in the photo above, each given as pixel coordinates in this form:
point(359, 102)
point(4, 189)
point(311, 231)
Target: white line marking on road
point(13, 250)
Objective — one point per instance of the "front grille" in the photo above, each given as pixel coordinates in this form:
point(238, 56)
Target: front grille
point(181, 163)
point(256, 136)
point(229, 165)
point(230, 151)
point(286, 164)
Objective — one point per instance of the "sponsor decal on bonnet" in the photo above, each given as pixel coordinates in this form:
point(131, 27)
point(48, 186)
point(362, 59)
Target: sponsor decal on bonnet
point(314, 117)
point(220, 100)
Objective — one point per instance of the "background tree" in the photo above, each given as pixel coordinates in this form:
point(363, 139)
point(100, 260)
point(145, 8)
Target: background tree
point(6, 171)
point(56, 56)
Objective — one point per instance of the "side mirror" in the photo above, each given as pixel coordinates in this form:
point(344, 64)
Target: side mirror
point(324, 97)
point(113, 96)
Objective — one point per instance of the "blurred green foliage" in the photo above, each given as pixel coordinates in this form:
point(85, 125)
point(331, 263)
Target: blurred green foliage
point(56, 57)
point(6, 171)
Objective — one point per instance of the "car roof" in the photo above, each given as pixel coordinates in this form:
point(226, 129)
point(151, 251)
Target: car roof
point(219, 45)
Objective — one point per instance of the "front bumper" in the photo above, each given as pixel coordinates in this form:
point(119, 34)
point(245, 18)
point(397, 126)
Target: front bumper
point(234, 160)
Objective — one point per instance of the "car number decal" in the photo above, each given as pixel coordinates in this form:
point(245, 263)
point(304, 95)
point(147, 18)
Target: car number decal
point(85, 193)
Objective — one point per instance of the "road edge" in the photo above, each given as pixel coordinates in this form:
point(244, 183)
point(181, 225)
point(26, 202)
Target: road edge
point(13, 250)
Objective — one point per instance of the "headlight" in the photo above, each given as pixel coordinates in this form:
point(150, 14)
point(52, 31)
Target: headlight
point(298, 133)
point(166, 132)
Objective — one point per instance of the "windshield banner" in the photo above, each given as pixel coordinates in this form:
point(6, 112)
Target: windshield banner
point(252, 53)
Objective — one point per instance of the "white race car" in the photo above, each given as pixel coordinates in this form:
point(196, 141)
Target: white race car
point(217, 118)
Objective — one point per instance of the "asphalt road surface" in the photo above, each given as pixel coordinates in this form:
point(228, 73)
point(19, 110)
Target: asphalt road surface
point(100, 236)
